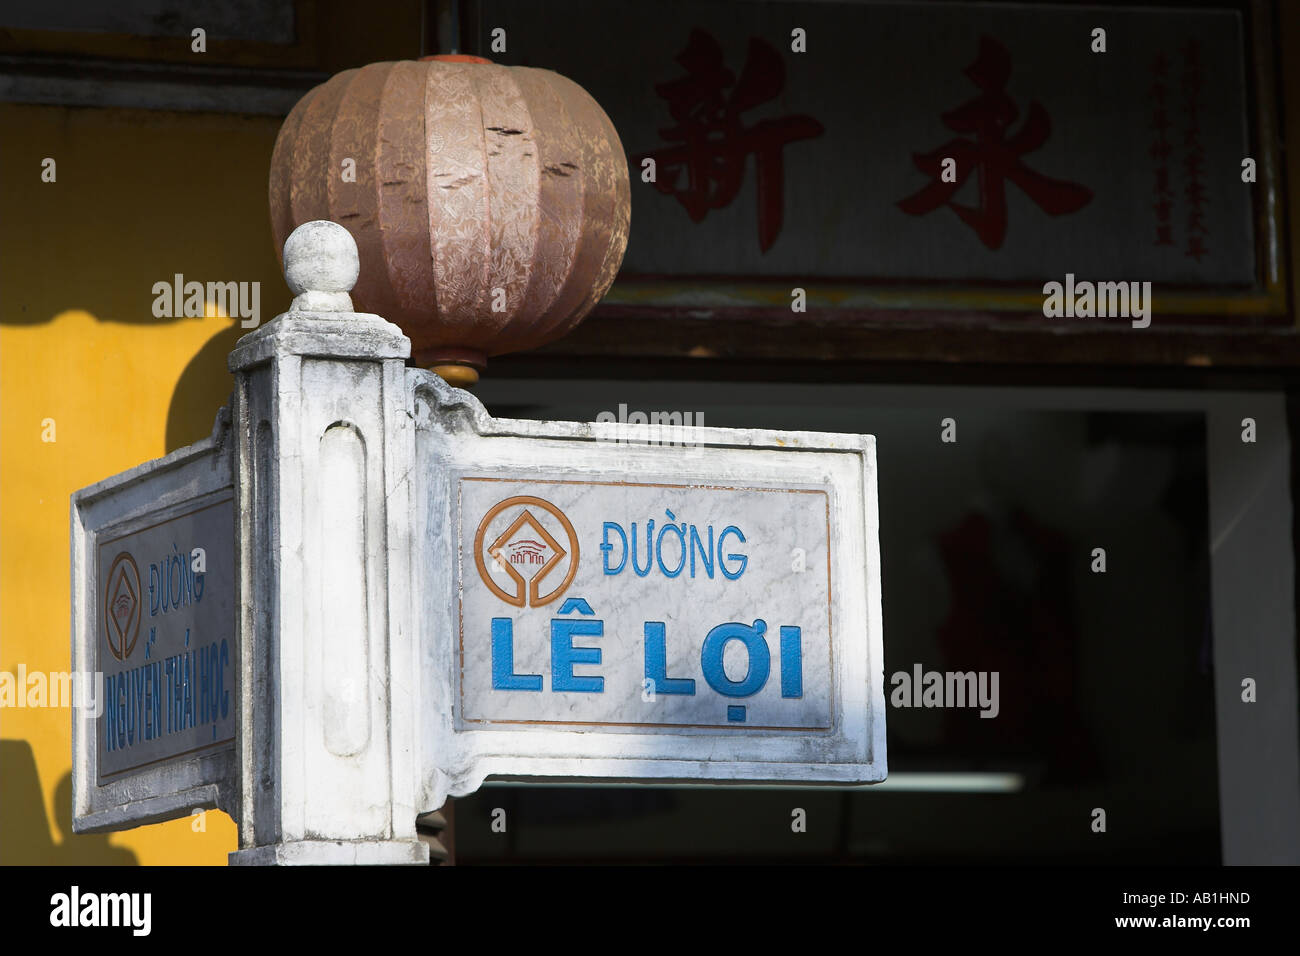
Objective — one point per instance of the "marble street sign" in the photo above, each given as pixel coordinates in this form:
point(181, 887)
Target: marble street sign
point(153, 619)
point(605, 601)
point(167, 638)
point(580, 636)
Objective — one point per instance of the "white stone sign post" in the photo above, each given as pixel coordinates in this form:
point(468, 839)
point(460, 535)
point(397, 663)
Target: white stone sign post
point(323, 451)
point(420, 596)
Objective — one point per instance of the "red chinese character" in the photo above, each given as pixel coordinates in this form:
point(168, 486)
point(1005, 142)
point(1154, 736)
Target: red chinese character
point(997, 158)
point(714, 142)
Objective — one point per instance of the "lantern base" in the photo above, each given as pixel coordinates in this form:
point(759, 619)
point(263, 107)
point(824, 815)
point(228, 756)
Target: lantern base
point(457, 367)
point(457, 376)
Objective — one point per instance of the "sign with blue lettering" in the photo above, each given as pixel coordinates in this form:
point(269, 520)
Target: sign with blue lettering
point(641, 606)
point(167, 630)
point(608, 601)
point(154, 596)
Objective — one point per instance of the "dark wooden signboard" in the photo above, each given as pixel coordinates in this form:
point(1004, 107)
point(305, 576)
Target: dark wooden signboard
point(923, 167)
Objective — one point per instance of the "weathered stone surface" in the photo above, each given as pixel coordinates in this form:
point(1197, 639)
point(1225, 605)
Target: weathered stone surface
point(326, 734)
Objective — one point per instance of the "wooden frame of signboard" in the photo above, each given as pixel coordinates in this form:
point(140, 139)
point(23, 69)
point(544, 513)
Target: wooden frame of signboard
point(728, 317)
point(303, 52)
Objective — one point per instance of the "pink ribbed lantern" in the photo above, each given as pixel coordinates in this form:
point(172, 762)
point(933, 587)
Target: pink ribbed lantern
point(490, 204)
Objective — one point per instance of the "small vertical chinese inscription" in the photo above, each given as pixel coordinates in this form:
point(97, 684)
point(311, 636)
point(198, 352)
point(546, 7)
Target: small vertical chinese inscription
point(1194, 158)
point(1161, 150)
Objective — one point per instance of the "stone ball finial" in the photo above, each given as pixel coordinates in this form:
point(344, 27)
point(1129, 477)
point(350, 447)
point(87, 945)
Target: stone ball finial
point(321, 267)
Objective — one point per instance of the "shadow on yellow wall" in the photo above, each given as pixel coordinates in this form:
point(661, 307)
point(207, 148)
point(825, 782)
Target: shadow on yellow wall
point(93, 383)
point(28, 845)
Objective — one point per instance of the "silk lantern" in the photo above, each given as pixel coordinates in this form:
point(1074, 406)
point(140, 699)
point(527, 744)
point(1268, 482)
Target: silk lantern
point(489, 204)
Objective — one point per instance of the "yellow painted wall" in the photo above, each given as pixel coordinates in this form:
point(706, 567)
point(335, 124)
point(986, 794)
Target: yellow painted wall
point(139, 196)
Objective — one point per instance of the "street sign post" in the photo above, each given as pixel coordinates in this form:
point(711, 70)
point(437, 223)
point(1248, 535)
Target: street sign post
point(363, 594)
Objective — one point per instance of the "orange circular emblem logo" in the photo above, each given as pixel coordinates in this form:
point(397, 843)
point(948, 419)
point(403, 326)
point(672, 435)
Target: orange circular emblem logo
point(122, 606)
point(522, 545)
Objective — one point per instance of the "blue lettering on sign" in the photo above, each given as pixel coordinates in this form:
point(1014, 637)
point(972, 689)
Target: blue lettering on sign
point(649, 549)
point(677, 547)
point(503, 659)
point(731, 575)
point(760, 658)
point(564, 655)
point(681, 546)
point(224, 695)
point(791, 662)
point(706, 554)
point(173, 583)
point(656, 663)
point(160, 697)
point(606, 547)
